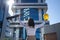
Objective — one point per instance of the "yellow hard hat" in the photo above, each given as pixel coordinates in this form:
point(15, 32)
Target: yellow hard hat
point(46, 17)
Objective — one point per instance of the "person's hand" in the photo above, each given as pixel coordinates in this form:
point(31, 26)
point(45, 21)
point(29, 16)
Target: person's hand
point(43, 22)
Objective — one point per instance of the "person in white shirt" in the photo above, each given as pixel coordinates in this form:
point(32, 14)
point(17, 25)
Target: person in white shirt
point(31, 28)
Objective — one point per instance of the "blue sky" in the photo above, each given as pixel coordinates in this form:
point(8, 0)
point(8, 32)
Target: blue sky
point(53, 11)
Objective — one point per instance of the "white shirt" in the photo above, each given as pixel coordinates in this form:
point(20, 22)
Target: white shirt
point(31, 31)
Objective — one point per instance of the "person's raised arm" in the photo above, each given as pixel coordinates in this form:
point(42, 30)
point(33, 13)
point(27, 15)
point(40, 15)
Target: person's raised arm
point(21, 23)
point(40, 25)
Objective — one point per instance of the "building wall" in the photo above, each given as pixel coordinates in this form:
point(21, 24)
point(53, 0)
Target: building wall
point(49, 29)
point(57, 28)
point(53, 28)
point(3, 15)
point(2, 10)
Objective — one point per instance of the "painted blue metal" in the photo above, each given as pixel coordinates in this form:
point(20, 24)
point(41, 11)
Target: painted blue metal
point(37, 34)
point(24, 33)
point(33, 13)
point(29, 1)
point(42, 11)
point(1, 14)
point(2, 10)
point(31, 4)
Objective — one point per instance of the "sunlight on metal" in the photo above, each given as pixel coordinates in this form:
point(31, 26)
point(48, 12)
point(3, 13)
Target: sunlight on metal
point(10, 3)
point(10, 33)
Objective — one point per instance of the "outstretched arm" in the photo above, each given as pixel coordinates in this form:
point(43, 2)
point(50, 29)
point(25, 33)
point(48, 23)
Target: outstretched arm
point(21, 23)
point(40, 25)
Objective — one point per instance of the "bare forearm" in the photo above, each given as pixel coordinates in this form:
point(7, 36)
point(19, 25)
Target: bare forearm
point(40, 25)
